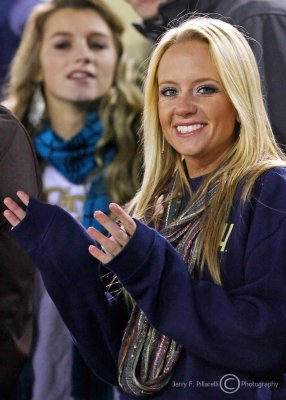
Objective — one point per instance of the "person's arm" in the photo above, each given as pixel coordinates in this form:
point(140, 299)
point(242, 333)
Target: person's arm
point(157, 15)
point(18, 168)
point(146, 9)
point(240, 327)
point(58, 246)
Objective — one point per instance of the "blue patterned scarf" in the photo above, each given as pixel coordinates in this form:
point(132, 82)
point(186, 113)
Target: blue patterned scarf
point(74, 158)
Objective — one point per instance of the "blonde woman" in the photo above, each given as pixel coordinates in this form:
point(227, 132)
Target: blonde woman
point(202, 261)
point(74, 89)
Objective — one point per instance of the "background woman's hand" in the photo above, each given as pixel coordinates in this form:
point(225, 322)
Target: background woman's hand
point(120, 233)
point(14, 213)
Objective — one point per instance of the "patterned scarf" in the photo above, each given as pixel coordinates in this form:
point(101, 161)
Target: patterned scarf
point(74, 158)
point(147, 358)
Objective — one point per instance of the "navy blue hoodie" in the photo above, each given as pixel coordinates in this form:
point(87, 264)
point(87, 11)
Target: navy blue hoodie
point(233, 336)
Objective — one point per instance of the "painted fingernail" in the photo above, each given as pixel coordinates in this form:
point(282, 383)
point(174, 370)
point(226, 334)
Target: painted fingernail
point(98, 214)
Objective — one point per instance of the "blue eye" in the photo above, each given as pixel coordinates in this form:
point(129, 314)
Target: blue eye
point(168, 92)
point(97, 45)
point(207, 90)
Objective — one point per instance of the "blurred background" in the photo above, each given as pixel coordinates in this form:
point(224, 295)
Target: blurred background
point(136, 45)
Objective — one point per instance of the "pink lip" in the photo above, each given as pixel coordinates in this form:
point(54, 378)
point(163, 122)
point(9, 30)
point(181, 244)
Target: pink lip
point(189, 123)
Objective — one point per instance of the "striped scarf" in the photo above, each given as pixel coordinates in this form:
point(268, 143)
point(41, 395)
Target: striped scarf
point(74, 158)
point(147, 358)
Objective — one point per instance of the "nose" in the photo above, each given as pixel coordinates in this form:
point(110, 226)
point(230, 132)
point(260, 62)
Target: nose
point(83, 53)
point(185, 105)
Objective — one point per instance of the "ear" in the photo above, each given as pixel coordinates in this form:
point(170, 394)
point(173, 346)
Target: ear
point(238, 119)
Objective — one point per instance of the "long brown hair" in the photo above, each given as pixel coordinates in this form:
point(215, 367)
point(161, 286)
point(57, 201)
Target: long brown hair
point(120, 109)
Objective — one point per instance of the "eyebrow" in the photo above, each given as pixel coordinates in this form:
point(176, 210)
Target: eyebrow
point(64, 33)
point(196, 81)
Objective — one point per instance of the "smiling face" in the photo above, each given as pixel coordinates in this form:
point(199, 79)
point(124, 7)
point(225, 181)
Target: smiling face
point(77, 58)
point(196, 115)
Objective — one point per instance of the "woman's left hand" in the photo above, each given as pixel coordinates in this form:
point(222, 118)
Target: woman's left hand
point(120, 234)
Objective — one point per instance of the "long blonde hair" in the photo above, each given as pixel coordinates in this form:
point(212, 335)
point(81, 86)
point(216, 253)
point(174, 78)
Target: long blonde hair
point(254, 151)
point(120, 109)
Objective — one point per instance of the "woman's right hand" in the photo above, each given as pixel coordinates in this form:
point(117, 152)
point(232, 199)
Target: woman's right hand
point(14, 213)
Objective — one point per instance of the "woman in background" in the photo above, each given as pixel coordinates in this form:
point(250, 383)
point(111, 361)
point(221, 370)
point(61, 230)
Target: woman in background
point(73, 88)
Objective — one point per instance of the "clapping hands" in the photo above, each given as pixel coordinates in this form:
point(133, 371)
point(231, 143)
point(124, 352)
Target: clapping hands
point(120, 233)
point(111, 246)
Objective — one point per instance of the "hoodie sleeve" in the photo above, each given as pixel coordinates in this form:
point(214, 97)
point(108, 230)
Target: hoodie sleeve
point(58, 246)
point(240, 326)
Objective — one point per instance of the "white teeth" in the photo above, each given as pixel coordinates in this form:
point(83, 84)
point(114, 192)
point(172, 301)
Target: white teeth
point(189, 128)
point(79, 75)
